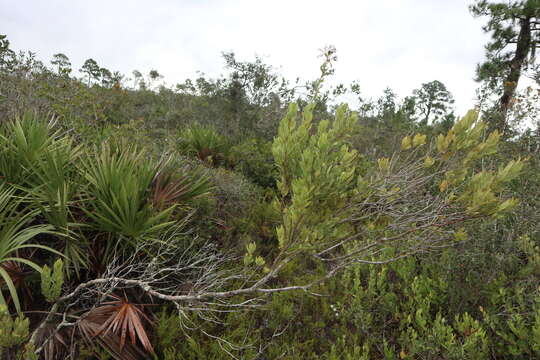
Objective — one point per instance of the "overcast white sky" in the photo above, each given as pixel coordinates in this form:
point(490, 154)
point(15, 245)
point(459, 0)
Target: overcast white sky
point(396, 43)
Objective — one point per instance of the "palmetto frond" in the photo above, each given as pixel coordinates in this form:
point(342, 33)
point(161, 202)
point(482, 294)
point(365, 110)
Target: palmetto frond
point(15, 235)
point(22, 143)
point(39, 163)
point(169, 188)
point(112, 323)
point(55, 341)
point(203, 142)
point(118, 192)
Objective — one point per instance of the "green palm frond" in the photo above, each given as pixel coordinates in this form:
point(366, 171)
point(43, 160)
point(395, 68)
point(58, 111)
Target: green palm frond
point(204, 143)
point(54, 186)
point(118, 192)
point(22, 143)
point(40, 165)
point(15, 235)
point(170, 187)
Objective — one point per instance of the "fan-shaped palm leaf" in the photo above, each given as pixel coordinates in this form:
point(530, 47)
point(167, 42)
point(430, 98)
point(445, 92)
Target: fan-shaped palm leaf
point(169, 188)
point(119, 191)
point(203, 142)
point(15, 235)
point(38, 162)
point(22, 143)
point(110, 324)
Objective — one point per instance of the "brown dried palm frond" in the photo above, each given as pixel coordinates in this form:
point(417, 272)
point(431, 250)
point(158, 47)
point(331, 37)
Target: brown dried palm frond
point(18, 275)
point(16, 272)
point(55, 341)
point(89, 329)
point(111, 323)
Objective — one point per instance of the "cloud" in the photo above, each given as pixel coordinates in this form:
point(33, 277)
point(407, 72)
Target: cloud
point(396, 43)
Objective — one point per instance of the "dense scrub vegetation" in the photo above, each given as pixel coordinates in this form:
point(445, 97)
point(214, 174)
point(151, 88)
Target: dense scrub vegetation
point(248, 217)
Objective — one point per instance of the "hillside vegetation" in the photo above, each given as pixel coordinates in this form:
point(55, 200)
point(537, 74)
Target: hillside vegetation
point(250, 217)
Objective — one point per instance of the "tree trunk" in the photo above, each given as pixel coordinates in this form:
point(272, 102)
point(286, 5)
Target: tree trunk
point(516, 64)
point(428, 112)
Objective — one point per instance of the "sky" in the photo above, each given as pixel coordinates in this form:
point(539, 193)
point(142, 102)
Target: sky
point(380, 43)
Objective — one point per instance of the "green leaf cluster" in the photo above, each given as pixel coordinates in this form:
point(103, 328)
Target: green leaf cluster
point(317, 170)
point(52, 281)
point(13, 332)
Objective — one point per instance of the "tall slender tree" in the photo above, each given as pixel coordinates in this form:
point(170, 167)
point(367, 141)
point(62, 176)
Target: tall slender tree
point(515, 35)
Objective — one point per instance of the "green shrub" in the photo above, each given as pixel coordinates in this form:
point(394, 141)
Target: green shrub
point(253, 158)
point(204, 143)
